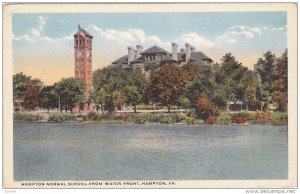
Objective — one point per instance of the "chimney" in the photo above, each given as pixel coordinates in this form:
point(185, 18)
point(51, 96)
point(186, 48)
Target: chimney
point(187, 51)
point(182, 50)
point(130, 54)
point(174, 51)
point(139, 49)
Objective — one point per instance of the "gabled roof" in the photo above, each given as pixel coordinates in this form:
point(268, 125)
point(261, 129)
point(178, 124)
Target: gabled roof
point(198, 55)
point(167, 58)
point(121, 60)
point(154, 49)
point(82, 32)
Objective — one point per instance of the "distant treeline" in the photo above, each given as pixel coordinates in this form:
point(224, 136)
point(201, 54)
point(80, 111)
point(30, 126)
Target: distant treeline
point(205, 90)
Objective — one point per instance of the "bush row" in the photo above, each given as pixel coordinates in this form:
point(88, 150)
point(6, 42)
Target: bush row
point(189, 118)
point(159, 118)
point(149, 107)
point(62, 117)
point(251, 117)
point(27, 117)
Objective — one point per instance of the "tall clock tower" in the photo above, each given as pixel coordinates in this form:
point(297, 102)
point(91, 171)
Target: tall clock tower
point(83, 58)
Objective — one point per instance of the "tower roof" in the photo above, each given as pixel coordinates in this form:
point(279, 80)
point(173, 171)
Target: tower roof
point(82, 32)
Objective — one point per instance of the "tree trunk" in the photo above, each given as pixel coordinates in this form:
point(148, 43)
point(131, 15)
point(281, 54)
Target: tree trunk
point(59, 107)
point(102, 108)
point(169, 108)
point(134, 108)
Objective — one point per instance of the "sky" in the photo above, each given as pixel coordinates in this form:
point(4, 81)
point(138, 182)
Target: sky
point(43, 43)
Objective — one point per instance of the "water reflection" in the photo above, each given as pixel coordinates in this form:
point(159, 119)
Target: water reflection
point(148, 152)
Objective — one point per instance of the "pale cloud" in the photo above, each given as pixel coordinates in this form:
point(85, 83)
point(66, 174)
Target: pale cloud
point(35, 34)
point(235, 33)
point(247, 34)
point(42, 23)
point(112, 34)
point(137, 34)
point(256, 30)
point(153, 39)
point(244, 31)
point(196, 40)
point(30, 35)
point(279, 29)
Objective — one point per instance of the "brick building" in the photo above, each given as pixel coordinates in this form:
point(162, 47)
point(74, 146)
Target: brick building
point(139, 58)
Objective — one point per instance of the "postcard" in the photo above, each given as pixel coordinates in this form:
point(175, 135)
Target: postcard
point(150, 95)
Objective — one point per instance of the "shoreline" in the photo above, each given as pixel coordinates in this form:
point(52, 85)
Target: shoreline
point(223, 118)
point(153, 123)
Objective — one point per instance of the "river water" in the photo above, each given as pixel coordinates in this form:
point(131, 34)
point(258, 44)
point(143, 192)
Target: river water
point(76, 151)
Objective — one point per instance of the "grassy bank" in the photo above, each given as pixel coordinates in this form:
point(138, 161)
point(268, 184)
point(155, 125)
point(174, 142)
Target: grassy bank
point(223, 118)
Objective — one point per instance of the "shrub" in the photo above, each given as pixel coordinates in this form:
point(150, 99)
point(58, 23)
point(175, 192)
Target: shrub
point(124, 117)
point(174, 107)
point(279, 116)
point(27, 117)
point(224, 118)
point(108, 117)
point(238, 119)
point(140, 119)
point(55, 118)
point(190, 121)
point(81, 118)
point(198, 121)
point(91, 116)
point(147, 107)
point(204, 106)
point(191, 114)
point(211, 120)
point(262, 116)
point(62, 117)
point(179, 117)
point(153, 118)
point(128, 118)
point(249, 116)
point(167, 119)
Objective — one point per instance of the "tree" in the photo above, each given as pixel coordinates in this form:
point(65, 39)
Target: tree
point(20, 84)
point(99, 96)
point(230, 78)
point(251, 96)
point(70, 92)
point(165, 85)
point(264, 68)
point(31, 94)
point(133, 96)
point(120, 86)
point(280, 82)
point(135, 91)
point(204, 107)
point(151, 67)
point(118, 98)
point(48, 98)
point(168, 85)
point(203, 82)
